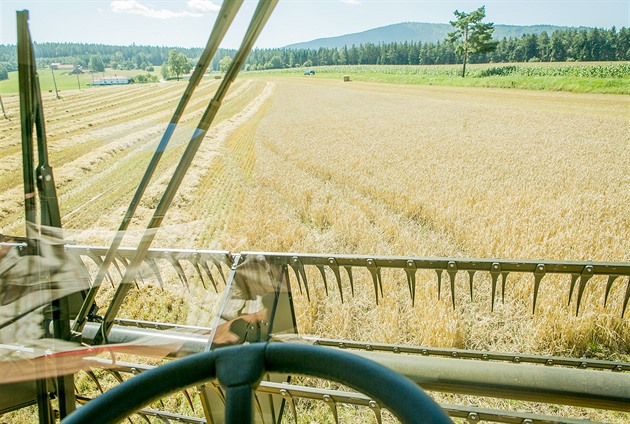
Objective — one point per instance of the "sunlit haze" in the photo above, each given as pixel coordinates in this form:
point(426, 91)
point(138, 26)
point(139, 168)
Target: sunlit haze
point(188, 24)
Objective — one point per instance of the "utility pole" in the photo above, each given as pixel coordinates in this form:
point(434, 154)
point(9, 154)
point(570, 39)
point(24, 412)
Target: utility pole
point(4, 113)
point(76, 71)
point(54, 81)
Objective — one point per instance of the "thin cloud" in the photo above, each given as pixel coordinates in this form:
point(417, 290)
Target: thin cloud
point(203, 6)
point(352, 2)
point(197, 8)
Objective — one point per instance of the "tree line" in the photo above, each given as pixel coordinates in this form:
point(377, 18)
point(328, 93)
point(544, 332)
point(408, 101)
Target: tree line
point(562, 45)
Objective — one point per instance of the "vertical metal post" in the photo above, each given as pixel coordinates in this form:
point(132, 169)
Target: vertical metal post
point(32, 114)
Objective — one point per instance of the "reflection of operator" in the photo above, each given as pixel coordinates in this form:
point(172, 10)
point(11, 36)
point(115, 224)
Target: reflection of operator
point(245, 316)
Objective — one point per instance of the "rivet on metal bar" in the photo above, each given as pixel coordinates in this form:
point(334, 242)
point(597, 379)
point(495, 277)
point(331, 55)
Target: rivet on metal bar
point(289, 399)
point(611, 280)
point(472, 417)
point(587, 273)
point(410, 271)
point(376, 277)
point(539, 273)
point(495, 271)
point(328, 400)
point(332, 263)
point(377, 411)
point(451, 269)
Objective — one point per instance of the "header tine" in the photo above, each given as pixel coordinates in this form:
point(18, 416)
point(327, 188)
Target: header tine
point(218, 265)
point(332, 262)
point(195, 263)
point(206, 269)
point(328, 400)
point(452, 272)
point(122, 261)
point(322, 271)
point(94, 378)
point(156, 271)
point(189, 399)
point(504, 276)
point(574, 278)
point(296, 272)
point(178, 268)
point(259, 408)
point(626, 298)
point(349, 271)
point(439, 276)
point(376, 277)
point(611, 280)
point(296, 265)
point(495, 271)
point(99, 262)
point(375, 407)
point(587, 273)
point(289, 399)
point(539, 273)
point(471, 274)
point(303, 274)
point(410, 270)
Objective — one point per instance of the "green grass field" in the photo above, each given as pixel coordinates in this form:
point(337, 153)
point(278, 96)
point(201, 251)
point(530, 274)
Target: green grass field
point(66, 81)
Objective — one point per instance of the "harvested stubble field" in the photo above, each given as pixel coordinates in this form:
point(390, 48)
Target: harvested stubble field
point(366, 168)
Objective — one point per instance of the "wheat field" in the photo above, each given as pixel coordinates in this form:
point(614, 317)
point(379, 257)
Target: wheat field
point(307, 165)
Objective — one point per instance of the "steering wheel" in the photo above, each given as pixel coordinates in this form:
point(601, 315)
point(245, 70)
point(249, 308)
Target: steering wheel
point(240, 369)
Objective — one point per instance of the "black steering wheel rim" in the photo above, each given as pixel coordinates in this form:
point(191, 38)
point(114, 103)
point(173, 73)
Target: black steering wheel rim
point(240, 369)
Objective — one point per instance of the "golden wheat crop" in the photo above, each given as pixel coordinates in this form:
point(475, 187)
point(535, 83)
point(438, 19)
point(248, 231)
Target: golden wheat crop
point(361, 168)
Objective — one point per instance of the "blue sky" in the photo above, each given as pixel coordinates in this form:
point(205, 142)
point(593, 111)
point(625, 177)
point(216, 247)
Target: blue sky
point(188, 23)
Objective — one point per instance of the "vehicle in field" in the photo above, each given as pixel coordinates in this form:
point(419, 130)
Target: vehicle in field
point(71, 346)
point(309, 72)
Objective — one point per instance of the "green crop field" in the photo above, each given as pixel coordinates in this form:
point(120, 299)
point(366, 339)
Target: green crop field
point(592, 77)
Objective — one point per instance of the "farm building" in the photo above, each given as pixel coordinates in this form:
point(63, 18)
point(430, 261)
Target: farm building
point(114, 80)
point(62, 67)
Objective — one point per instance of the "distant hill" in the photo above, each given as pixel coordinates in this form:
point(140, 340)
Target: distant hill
point(416, 31)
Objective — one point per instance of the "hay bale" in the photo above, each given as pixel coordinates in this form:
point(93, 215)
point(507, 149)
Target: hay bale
point(346, 78)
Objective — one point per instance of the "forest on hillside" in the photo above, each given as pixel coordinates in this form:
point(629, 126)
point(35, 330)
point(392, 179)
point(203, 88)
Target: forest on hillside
point(594, 44)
